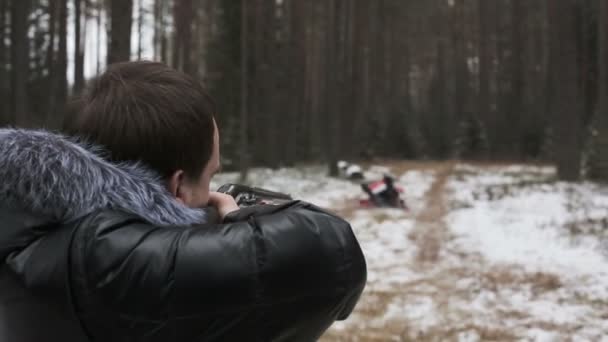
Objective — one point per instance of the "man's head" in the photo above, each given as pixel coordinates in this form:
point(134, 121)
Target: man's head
point(150, 113)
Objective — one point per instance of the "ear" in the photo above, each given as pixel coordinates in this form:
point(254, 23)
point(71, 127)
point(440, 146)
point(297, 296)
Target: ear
point(176, 186)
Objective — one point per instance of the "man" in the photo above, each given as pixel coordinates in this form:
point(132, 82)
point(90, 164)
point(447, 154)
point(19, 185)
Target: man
point(384, 193)
point(110, 244)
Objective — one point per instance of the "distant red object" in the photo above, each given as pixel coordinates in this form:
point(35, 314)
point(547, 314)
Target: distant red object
point(383, 193)
point(379, 186)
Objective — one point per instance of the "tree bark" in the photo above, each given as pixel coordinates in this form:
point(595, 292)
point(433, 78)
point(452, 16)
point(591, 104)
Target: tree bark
point(517, 111)
point(461, 77)
point(244, 124)
point(99, 30)
point(4, 85)
point(362, 82)
point(332, 52)
point(121, 18)
point(140, 26)
point(566, 88)
point(600, 162)
point(51, 57)
point(164, 40)
point(485, 65)
point(79, 44)
point(271, 73)
point(19, 62)
point(183, 18)
point(295, 92)
point(59, 82)
point(157, 29)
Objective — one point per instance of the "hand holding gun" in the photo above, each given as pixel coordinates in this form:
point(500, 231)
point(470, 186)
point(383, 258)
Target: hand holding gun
point(246, 196)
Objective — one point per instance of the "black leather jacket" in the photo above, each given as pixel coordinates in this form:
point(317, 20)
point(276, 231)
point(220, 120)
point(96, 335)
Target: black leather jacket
point(267, 273)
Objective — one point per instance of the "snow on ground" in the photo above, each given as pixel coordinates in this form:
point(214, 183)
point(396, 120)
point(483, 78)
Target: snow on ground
point(483, 253)
point(549, 236)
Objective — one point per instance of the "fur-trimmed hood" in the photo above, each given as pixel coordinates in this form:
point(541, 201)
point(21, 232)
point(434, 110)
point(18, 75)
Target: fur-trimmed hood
point(53, 176)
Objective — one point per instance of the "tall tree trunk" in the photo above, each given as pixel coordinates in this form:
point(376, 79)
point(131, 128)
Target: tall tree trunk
point(295, 92)
point(600, 162)
point(548, 143)
point(164, 40)
point(4, 85)
point(157, 29)
point(405, 93)
point(244, 124)
point(566, 88)
point(19, 62)
point(502, 136)
point(348, 91)
point(485, 65)
point(282, 110)
point(443, 121)
point(255, 92)
point(100, 5)
point(262, 83)
point(79, 44)
point(376, 110)
point(331, 55)
point(362, 83)
point(59, 82)
point(440, 105)
point(385, 71)
point(536, 69)
point(140, 26)
point(269, 77)
point(461, 78)
point(400, 107)
point(316, 78)
point(516, 113)
point(51, 57)
point(302, 11)
point(183, 14)
point(121, 17)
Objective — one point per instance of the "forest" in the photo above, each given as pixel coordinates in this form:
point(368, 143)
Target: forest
point(322, 80)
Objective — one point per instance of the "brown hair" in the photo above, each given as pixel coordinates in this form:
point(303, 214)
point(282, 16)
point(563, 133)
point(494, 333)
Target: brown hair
point(148, 112)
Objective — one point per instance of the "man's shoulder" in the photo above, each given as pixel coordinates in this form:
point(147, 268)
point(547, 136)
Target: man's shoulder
point(106, 218)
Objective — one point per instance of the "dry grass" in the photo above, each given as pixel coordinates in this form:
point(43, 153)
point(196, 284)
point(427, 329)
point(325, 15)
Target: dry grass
point(373, 305)
point(439, 280)
point(441, 288)
point(539, 282)
point(400, 331)
point(451, 334)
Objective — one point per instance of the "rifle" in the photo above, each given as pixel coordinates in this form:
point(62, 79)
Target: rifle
point(246, 196)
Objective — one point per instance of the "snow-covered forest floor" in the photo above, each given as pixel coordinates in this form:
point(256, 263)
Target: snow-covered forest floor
point(485, 252)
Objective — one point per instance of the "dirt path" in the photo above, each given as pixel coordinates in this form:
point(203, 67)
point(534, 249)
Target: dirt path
point(431, 230)
point(432, 284)
point(422, 287)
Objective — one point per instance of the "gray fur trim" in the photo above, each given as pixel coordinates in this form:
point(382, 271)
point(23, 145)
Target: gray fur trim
point(50, 174)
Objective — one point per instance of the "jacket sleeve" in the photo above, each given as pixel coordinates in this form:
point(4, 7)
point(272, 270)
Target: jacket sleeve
point(256, 269)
